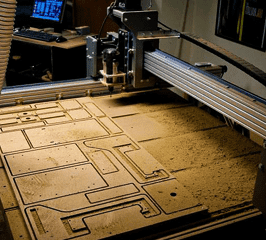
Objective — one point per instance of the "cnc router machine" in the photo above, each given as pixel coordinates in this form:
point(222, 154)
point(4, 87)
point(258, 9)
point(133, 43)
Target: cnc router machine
point(76, 174)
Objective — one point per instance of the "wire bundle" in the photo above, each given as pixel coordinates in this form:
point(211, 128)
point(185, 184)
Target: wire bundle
point(7, 17)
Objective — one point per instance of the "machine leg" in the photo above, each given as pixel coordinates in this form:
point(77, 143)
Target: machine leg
point(259, 198)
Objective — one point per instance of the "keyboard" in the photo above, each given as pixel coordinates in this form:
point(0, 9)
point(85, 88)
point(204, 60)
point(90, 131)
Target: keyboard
point(42, 36)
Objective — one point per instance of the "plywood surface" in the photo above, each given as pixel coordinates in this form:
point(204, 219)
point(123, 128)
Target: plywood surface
point(156, 158)
point(214, 162)
point(75, 173)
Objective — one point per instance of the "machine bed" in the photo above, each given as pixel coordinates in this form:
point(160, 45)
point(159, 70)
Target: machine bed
point(59, 181)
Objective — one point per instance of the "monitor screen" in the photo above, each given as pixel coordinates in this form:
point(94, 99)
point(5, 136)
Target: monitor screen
point(49, 10)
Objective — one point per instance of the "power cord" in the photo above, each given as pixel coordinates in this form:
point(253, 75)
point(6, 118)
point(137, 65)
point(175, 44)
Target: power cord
point(112, 5)
point(167, 27)
point(150, 6)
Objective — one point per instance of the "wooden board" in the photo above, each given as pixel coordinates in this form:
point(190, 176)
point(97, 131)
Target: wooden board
point(76, 174)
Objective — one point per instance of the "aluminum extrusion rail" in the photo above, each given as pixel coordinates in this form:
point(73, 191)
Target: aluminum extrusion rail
point(243, 107)
point(40, 92)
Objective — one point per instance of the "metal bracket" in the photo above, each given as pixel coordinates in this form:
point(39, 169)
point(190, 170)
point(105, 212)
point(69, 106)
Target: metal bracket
point(138, 20)
point(91, 52)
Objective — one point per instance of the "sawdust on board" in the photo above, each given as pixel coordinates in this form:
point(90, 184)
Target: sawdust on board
point(217, 165)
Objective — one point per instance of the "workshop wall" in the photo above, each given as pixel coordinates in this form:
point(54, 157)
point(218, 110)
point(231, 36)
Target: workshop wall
point(199, 17)
point(92, 13)
point(173, 14)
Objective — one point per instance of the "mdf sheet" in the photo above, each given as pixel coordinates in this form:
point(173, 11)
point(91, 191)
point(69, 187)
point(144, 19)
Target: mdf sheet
point(77, 175)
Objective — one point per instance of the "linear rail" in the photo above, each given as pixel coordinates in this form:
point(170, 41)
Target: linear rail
point(243, 107)
point(40, 92)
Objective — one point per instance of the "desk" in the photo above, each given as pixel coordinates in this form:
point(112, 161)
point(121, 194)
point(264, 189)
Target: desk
point(30, 59)
point(71, 43)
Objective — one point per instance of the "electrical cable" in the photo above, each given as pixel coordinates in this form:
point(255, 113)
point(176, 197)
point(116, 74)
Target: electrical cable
point(150, 6)
point(164, 25)
point(112, 5)
point(167, 27)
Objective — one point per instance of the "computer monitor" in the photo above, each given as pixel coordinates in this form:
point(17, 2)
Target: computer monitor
point(48, 13)
point(49, 10)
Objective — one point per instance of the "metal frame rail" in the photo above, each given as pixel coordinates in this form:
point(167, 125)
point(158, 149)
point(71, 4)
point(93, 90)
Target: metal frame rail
point(39, 92)
point(237, 104)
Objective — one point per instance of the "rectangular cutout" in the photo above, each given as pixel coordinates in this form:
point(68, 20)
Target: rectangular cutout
point(51, 115)
point(23, 126)
point(94, 110)
point(8, 121)
point(13, 141)
point(67, 132)
point(79, 114)
point(110, 125)
point(104, 161)
point(49, 185)
point(48, 110)
point(112, 193)
point(46, 105)
point(32, 161)
point(70, 104)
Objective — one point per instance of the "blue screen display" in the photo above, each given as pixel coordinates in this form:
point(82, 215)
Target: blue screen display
point(48, 10)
